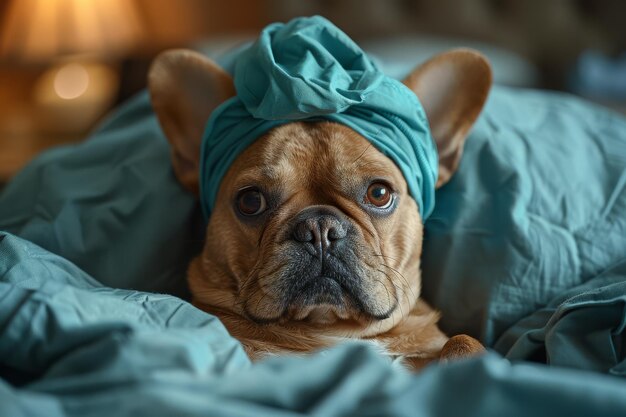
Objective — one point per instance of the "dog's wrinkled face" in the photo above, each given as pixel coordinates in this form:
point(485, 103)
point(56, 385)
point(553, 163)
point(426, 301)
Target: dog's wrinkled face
point(313, 227)
point(313, 223)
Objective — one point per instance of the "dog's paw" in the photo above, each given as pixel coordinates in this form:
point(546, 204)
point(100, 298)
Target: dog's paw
point(461, 346)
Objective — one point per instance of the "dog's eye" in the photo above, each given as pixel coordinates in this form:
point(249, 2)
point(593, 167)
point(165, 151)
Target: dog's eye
point(251, 202)
point(379, 195)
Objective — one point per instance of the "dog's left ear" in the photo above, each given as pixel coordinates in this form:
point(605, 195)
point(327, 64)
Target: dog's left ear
point(452, 87)
point(185, 87)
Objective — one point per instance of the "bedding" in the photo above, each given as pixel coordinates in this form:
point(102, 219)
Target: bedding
point(72, 347)
point(526, 249)
point(527, 243)
point(110, 205)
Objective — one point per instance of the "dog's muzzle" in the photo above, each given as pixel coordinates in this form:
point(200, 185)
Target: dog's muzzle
point(326, 274)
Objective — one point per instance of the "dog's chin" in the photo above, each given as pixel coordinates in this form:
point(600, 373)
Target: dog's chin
point(320, 314)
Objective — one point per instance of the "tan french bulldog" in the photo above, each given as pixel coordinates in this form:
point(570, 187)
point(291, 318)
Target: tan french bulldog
point(314, 237)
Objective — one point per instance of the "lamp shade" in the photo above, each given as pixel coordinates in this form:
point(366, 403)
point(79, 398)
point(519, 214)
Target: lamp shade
point(41, 30)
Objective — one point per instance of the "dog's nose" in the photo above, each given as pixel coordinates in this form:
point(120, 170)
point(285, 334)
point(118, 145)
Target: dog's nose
point(321, 226)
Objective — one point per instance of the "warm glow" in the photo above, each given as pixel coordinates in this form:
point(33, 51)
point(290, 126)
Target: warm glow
point(42, 30)
point(71, 81)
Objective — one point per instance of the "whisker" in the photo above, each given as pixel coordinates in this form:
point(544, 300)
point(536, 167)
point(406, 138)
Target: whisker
point(398, 273)
point(399, 303)
point(388, 294)
point(406, 281)
point(244, 284)
point(386, 257)
point(369, 145)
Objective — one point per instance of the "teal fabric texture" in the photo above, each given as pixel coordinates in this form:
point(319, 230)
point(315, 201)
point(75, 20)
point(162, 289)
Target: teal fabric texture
point(93, 202)
point(75, 348)
point(526, 247)
point(309, 70)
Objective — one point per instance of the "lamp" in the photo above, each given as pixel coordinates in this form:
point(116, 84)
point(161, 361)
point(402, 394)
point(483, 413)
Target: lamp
point(78, 42)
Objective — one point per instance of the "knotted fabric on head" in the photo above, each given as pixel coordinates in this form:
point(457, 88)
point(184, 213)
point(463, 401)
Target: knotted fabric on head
point(310, 70)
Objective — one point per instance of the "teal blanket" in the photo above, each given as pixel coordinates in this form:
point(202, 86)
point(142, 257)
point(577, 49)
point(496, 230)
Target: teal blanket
point(527, 245)
point(72, 347)
point(526, 249)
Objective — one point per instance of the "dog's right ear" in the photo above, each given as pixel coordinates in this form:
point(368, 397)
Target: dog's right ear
point(452, 87)
point(185, 87)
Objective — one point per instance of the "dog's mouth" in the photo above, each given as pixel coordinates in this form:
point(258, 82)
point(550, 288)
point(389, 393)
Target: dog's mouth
point(323, 300)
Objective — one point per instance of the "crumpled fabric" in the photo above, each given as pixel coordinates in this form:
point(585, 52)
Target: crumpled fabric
point(583, 328)
point(307, 66)
point(71, 347)
point(526, 248)
point(111, 204)
point(309, 70)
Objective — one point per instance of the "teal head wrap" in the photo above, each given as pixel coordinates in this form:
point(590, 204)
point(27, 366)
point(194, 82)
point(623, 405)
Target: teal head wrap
point(308, 69)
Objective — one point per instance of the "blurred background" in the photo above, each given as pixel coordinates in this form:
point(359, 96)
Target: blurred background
point(64, 64)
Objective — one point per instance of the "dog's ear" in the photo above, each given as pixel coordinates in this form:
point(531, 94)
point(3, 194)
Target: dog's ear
point(452, 87)
point(185, 87)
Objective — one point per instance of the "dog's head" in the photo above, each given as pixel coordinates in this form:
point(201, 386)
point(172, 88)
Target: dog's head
point(312, 224)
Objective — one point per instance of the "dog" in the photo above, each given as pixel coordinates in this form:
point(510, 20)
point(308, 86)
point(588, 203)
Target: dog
point(316, 240)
